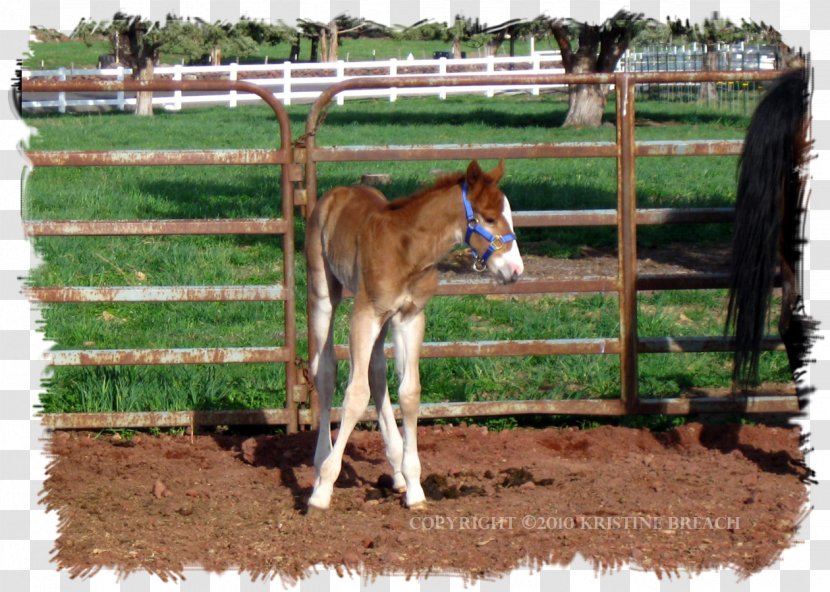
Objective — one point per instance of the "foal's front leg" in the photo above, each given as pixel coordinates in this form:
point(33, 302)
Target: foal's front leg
point(409, 335)
point(365, 328)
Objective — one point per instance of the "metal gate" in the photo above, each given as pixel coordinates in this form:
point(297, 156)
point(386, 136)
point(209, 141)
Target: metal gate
point(306, 154)
point(285, 354)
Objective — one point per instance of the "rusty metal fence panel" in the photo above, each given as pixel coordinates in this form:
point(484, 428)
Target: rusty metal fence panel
point(626, 218)
point(285, 354)
point(305, 153)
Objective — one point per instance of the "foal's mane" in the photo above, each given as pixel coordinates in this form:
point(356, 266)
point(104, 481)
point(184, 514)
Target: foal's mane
point(443, 182)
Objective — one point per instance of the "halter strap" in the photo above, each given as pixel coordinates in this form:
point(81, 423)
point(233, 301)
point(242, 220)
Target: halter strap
point(473, 227)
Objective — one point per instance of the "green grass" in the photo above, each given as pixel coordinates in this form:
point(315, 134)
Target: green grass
point(68, 54)
point(210, 192)
point(55, 54)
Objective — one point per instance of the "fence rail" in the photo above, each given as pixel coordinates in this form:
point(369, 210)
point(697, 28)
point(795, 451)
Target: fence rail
point(290, 82)
point(626, 283)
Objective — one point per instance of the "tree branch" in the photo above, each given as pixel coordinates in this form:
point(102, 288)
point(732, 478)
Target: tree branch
point(563, 39)
point(360, 26)
point(613, 43)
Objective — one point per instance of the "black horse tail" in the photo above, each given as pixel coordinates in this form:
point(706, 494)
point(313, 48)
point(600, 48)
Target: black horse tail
point(768, 225)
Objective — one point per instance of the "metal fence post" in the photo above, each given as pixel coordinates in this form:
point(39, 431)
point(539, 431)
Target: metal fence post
point(627, 241)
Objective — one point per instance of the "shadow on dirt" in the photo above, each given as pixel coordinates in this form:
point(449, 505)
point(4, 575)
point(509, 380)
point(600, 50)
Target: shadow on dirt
point(728, 438)
point(287, 453)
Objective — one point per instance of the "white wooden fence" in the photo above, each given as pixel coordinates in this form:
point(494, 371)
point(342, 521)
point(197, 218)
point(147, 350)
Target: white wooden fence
point(302, 82)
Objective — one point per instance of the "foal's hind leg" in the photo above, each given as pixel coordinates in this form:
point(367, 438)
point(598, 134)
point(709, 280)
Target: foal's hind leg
point(323, 366)
point(324, 294)
point(365, 329)
point(386, 416)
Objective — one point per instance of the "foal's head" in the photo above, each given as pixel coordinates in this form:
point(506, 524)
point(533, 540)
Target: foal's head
point(490, 224)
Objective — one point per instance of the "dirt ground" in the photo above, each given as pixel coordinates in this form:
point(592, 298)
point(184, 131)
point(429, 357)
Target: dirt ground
point(680, 259)
point(693, 498)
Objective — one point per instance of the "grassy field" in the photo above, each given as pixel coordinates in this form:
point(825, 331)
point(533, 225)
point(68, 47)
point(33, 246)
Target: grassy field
point(76, 54)
point(201, 192)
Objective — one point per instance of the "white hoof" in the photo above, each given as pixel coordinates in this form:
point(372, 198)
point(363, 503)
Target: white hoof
point(315, 511)
point(398, 483)
point(319, 501)
point(415, 500)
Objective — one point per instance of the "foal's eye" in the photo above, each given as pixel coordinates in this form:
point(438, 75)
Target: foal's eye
point(490, 220)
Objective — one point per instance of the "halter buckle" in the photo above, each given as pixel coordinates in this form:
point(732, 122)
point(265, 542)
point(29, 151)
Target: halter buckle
point(496, 242)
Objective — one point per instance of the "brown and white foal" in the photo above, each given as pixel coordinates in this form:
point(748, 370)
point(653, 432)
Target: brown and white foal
point(386, 254)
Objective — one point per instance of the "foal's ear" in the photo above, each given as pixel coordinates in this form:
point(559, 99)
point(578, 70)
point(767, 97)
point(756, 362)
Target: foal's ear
point(497, 173)
point(474, 173)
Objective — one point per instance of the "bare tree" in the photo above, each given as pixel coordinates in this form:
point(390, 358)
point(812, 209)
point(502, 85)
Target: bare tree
point(508, 30)
point(224, 39)
point(137, 42)
point(466, 31)
point(422, 30)
point(327, 37)
point(590, 48)
point(711, 34)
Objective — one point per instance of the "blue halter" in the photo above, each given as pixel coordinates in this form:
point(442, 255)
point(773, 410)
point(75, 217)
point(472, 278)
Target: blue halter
point(473, 227)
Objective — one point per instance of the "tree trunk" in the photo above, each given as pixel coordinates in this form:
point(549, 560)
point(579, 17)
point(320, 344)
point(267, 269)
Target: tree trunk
point(586, 105)
point(586, 102)
point(315, 42)
point(324, 45)
point(456, 48)
point(599, 50)
point(333, 43)
point(216, 56)
point(144, 99)
point(708, 90)
point(495, 44)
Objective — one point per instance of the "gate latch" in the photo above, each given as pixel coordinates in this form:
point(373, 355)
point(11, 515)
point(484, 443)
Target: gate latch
point(304, 383)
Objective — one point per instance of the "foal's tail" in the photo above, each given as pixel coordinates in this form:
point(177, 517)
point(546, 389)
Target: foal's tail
point(768, 224)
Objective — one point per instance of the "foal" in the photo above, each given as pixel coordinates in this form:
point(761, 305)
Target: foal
point(386, 253)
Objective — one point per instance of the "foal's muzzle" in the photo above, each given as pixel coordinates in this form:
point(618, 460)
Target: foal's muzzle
point(496, 241)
